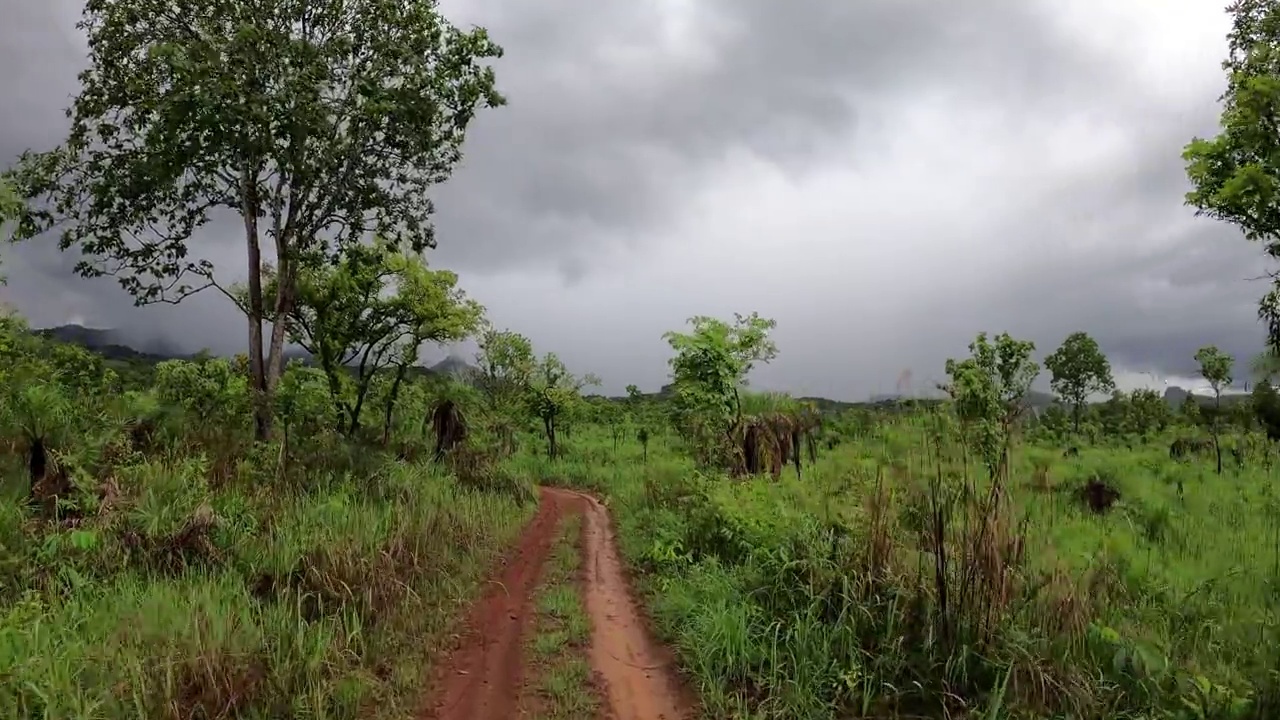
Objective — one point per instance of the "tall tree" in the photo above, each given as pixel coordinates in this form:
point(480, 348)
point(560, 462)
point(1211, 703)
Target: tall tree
point(318, 123)
point(1079, 369)
point(1215, 368)
point(1236, 175)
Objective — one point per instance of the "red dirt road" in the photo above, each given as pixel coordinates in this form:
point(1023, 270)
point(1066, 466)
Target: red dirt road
point(481, 679)
point(638, 673)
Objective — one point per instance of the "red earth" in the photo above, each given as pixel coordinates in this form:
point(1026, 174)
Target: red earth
point(481, 678)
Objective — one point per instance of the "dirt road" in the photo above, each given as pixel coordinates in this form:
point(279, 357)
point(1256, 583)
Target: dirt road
point(481, 678)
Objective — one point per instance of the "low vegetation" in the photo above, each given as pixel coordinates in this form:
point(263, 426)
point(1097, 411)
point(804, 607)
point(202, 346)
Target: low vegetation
point(560, 683)
point(245, 537)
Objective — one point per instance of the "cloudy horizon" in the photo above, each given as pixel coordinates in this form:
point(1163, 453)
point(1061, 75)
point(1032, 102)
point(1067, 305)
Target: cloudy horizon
point(885, 179)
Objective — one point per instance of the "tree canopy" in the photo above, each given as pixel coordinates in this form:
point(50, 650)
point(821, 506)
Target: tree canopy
point(1079, 369)
point(317, 123)
point(1236, 174)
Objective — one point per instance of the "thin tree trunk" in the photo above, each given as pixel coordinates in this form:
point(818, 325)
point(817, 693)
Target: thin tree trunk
point(549, 425)
point(257, 373)
point(392, 397)
point(284, 305)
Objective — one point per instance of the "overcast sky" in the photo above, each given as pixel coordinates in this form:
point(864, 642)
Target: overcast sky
point(885, 178)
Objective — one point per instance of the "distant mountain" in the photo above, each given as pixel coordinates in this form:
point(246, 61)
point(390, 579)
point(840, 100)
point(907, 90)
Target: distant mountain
point(112, 345)
point(453, 366)
point(107, 343)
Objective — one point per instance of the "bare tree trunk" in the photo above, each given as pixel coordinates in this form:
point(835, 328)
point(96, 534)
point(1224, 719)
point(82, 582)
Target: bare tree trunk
point(392, 397)
point(284, 305)
point(257, 374)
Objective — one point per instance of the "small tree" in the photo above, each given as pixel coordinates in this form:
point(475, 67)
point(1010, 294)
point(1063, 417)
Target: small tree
point(1190, 409)
point(1079, 370)
point(504, 372)
point(553, 392)
point(371, 310)
point(10, 207)
point(1150, 413)
point(639, 418)
point(1266, 407)
point(711, 364)
point(1215, 368)
point(432, 309)
point(317, 123)
point(990, 389)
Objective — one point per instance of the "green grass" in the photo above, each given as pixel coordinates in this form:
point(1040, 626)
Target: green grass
point(558, 645)
point(187, 572)
point(320, 603)
point(816, 598)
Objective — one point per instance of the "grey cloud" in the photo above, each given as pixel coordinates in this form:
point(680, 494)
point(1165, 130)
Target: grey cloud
point(581, 158)
point(597, 153)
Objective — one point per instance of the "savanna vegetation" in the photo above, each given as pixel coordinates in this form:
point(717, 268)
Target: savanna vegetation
point(217, 538)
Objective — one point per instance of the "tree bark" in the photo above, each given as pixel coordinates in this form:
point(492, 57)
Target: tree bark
point(549, 424)
point(257, 376)
point(392, 397)
point(285, 286)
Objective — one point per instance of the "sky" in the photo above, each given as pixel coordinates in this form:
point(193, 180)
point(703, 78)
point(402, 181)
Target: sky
point(884, 178)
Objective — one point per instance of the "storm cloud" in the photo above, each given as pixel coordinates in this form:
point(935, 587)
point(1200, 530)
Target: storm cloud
point(885, 178)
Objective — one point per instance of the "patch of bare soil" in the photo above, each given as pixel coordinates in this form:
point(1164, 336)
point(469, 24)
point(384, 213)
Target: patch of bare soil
point(637, 673)
point(481, 678)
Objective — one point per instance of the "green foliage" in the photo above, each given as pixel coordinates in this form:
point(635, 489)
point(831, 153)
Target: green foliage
point(317, 123)
point(258, 108)
point(180, 567)
point(553, 392)
point(1215, 367)
point(711, 363)
point(1148, 413)
point(10, 202)
point(1079, 370)
point(506, 366)
point(1236, 175)
point(10, 206)
point(989, 388)
point(371, 310)
point(173, 566)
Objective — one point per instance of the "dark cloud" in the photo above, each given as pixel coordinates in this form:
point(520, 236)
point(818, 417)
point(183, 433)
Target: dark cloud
point(884, 177)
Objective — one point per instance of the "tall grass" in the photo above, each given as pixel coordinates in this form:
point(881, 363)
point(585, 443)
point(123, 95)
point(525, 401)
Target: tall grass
point(321, 602)
point(896, 580)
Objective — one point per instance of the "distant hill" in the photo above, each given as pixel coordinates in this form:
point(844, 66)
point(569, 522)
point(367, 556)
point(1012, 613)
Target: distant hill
point(453, 366)
point(107, 343)
point(112, 345)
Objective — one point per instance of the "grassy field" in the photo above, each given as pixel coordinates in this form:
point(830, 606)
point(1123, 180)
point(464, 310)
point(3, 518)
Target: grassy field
point(821, 597)
point(319, 603)
point(163, 565)
point(155, 563)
